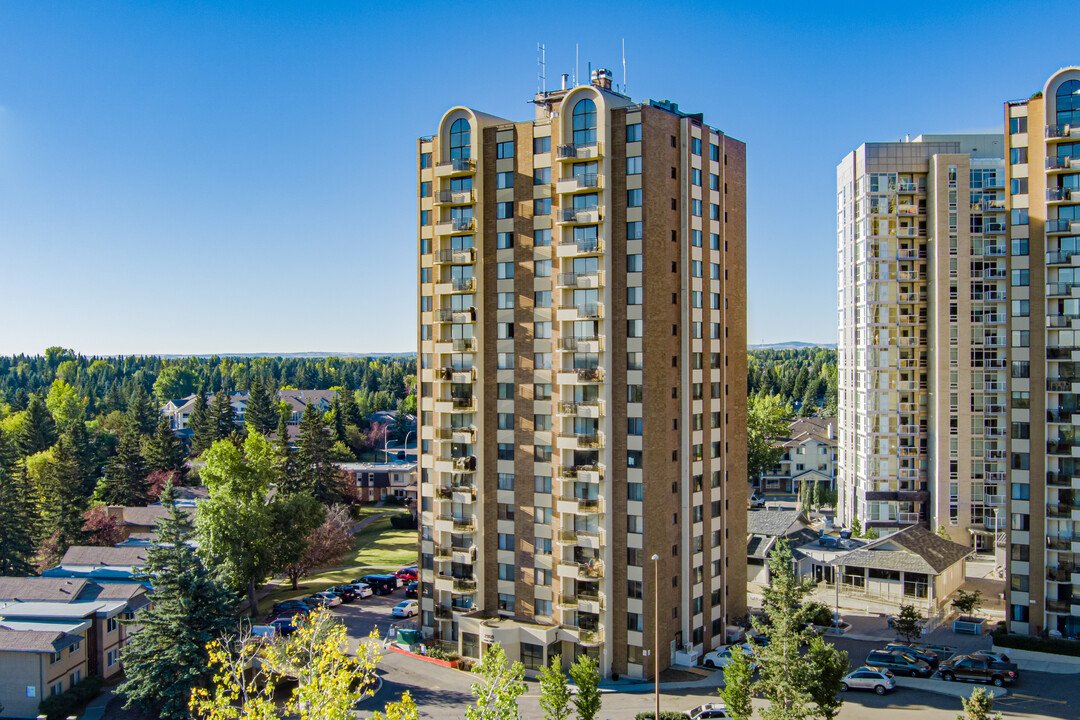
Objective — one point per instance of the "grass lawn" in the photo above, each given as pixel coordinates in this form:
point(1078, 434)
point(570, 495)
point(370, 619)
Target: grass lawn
point(377, 546)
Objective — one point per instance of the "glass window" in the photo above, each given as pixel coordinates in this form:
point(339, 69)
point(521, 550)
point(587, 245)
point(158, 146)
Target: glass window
point(504, 180)
point(633, 132)
point(1017, 125)
point(1068, 103)
point(504, 270)
point(1018, 155)
point(504, 240)
point(542, 298)
point(541, 176)
point(695, 208)
point(504, 210)
point(542, 206)
point(425, 160)
point(542, 484)
point(542, 238)
point(695, 147)
point(633, 263)
point(542, 144)
point(634, 426)
point(504, 301)
point(633, 197)
point(506, 481)
point(1019, 216)
point(460, 139)
point(505, 451)
point(635, 491)
point(584, 122)
point(633, 165)
point(634, 230)
point(695, 176)
point(504, 149)
point(633, 295)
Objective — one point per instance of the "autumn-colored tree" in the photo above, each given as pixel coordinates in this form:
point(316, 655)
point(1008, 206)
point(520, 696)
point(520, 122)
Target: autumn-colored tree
point(325, 544)
point(101, 528)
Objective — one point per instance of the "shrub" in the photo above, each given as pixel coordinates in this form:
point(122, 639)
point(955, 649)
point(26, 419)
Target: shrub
point(1057, 646)
point(437, 653)
point(391, 501)
point(820, 614)
point(403, 521)
point(61, 706)
point(664, 715)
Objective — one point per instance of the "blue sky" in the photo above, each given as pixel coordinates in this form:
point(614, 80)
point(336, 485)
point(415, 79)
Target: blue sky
point(192, 177)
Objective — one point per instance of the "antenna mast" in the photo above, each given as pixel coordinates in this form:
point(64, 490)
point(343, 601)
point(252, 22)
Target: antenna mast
point(576, 47)
point(625, 91)
point(541, 72)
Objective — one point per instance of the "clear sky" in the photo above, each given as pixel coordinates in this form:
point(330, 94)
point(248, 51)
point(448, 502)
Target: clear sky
point(195, 177)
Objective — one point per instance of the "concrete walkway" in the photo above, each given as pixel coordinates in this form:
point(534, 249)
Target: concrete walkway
point(955, 689)
point(95, 709)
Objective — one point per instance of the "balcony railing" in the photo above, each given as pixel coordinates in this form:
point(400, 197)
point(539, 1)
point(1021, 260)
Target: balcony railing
point(582, 247)
point(1058, 289)
point(459, 284)
point(454, 257)
point(1058, 163)
point(454, 197)
point(455, 165)
point(581, 215)
point(1057, 131)
point(587, 280)
point(1060, 573)
point(1057, 194)
point(1059, 479)
point(457, 224)
point(1059, 258)
point(593, 570)
point(578, 150)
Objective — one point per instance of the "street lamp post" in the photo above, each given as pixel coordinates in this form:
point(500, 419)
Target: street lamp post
point(404, 445)
point(656, 631)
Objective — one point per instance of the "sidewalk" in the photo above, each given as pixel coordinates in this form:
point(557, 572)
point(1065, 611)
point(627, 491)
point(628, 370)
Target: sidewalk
point(95, 709)
point(955, 689)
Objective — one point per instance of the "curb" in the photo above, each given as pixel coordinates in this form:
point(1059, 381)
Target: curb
point(941, 687)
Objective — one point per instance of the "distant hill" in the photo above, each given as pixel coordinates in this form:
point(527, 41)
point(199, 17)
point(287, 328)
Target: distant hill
point(793, 345)
point(295, 355)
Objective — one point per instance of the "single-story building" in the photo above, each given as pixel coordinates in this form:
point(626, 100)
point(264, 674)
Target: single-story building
point(38, 663)
point(764, 528)
point(105, 564)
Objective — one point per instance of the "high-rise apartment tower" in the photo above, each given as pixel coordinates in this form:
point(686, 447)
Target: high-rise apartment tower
point(1043, 134)
point(922, 343)
point(582, 381)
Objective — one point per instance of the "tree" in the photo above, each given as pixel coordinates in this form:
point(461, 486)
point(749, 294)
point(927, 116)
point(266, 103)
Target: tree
point(804, 494)
point(339, 452)
point(38, 430)
point(17, 517)
point(235, 524)
point(767, 418)
point(144, 415)
point(261, 413)
point(738, 681)
point(286, 459)
point(125, 474)
point(62, 506)
point(908, 624)
point(317, 473)
point(65, 405)
point(587, 678)
point(404, 709)
point(101, 528)
point(173, 383)
point(980, 706)
point(324, 545)
point(338, 417)
point(87, 455)
point(828, 666)
point(500, 686)
point(164, 451)
point(222, 416)
point(203, 432)
point(967, 603)
point(554, 692)
point(856, 527)
point(808, 403)
point(819, 495)
point(349, 410)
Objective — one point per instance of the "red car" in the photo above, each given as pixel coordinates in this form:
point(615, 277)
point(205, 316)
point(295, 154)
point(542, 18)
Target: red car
point(406, 574)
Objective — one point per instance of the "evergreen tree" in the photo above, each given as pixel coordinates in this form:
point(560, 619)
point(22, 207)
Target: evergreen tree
point(819, 494)
point(223, 416)
point(339, 419)
point(114, 401)
point(164, 451)
point(38, 431)
point(17, 521)
point(168, 656)
point(62, 505)
point(286, 460)
point(125, 474)
point(349, 408)
point(203, 432)
point(142, 411)
point(261, 412)
point(78, 440)
point(317, 474)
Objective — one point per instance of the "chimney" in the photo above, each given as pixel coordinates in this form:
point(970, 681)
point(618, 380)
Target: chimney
point(601, 78)
point(565, 80)
point(830, 426)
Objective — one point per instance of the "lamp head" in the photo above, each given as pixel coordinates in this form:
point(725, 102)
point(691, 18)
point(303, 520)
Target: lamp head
point(655, 557)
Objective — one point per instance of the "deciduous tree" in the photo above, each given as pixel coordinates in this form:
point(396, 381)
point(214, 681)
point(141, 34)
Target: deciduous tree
point(586, 676)
point(767, 418)
point(908, 624)
point(324, 545)
point(499, 687)
point(66, 406)
point(738, 680)
point(101, 528)
point(555, 694)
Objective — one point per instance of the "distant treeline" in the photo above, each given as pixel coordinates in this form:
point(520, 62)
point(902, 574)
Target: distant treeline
point(806, 378)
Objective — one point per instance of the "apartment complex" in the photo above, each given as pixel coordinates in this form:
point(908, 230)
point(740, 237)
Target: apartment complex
point(922, 264)
point(1043, 134)
point(574, 270)
point(810, 454)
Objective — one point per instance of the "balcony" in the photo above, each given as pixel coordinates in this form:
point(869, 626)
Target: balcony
point(994, 523)
point(578, 183)
point(1058, 606)
point(994, 409)
point(443, 612)
point(1062, 225)
point(992, 228)
point(464, 585)
point(455, 225)
point(581, 376)
point(579, 151)
point(1058, 290)
point(1059, 543)
point(1060, 573)
point(580, 280)
point(591, 638)
point(462, 344)
point(1058, 132)
point(463, 525)
point(909, 276)
point(992, 206)
point(1060, 321)
point(454, 197)
point(907, 254)
point(1059, 163)
point(586, 408)
point(462, 284)
point(1061, 446)
point(995, 477)
point(455, 315)
point(582, 473)
point(457, 166)
point(581, 216)
point(1059, 479)
point(573, 505)
point(456, 434)
point(994, 251)
point(1060, 384)
point(574, 441)
point(454, 257)
point(585, 311)
point(462, 404)
point(582, 344)
point(1058, 194)
point(592, 571)
point(907, 188)
point(457, 375)
point(1059, 258)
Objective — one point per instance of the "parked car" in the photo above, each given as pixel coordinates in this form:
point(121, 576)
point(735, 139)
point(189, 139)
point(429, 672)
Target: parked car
point(345, 592)
point(290, 604)
point(879, 680)
point(708, 710)
point(899, 663)
point(979, 668)
point(406, 574)
point(283, 626)
point(721, 657)
point(997, 656)
point(756, 500)
point(930, 658)
point(412, 589)
point(362, 590)
point(288, 614)
point(405, 608)
point(379, 584)
point(328, 599)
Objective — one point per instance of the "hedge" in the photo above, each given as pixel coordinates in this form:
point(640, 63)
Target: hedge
point(664, 715)
point(61, 706)
point(1056, 646)
point(403, 521)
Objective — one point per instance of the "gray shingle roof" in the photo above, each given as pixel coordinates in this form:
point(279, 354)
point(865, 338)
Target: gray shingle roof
point(913, 549)
point(34, 641)
point(36, 588)
point(774, 523)
point(811, 428)
point(105, 556)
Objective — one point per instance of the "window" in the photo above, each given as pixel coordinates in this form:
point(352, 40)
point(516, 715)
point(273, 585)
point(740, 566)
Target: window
point(1021, 308)
point(634, 328)
point(695, 208)
point(542, 330)
point(542, 145)
point(543, 546)
point(504, 149)
point(504, 300)
point(1018, 155)
point(506, 541)
point(635, 622)
point(543, 517)
point(111, 625)
point(1021, 461)
point(505, 451)
point(1068, 103)
point(714, 181)
point(542, 238)
point(635, 361)
point(695, 238)
point(542, 176)
point(1021, 491)
point(584, 122)
point(542, 268)
point(113, 656)
point(633, 165)
point(634, 230)
point(1021, 400)
point(542, 361)
point(714, 211)
point(695, 146)
point(542, 206)
point(506, 421)
point(633, 198)
point(506, 603)
point(1020, 216)
point(634, 426)
point(542, 484)
point(542, 453)
point(504, 210)
point(506, 481)
point(504, 240)
point(425, 189)
point(1017, 125)
point(504, 270)
point(1020, 278)
point(504, 180)
point(506, 571)
point(1019, 583)
point(695, 177)
point(635, 524)
point(1021, 369)
point(635, 491)
point(1018, 186)
point(425, 160)
point(714, 152)
point(543, 607)
point(633, 458)
point(633, 132)
point(505, 361)
point(460, 140)
point(1021, 338)
point(1020, 245)
point(633, 263)
point(425, 217)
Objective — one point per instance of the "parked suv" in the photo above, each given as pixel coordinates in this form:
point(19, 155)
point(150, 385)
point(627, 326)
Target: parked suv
point(979, 668)
point(899, 663)
point(879, 680)
point(930, 658)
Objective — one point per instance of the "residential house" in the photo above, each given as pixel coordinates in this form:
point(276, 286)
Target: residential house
point(376, 481)
point(764, 528)
point(810, 453)
point(35, 664)
point(139, 520)
point(103, 564)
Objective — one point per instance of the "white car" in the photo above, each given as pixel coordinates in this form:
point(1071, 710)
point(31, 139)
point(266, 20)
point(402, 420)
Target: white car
point(362, 590)
point(405, 608)
point(869, 678)
point(709, 710)
point(721, 657)
point(329, 599)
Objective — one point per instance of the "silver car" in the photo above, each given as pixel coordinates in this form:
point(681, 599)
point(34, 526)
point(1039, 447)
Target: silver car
point(869, 678)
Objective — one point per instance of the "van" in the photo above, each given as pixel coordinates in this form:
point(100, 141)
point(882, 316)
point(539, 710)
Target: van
point(380, 584)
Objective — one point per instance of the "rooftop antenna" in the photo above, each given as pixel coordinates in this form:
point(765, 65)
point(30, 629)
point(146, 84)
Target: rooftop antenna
point(541, 77)
point(576, 47)
point(624, 67)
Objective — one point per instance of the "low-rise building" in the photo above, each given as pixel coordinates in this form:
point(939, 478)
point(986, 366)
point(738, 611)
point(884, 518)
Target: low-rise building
point(764, 528)
point(115, 564)
point(37, 663)
point(810, 453)
point(139, 520)
point(377, 481)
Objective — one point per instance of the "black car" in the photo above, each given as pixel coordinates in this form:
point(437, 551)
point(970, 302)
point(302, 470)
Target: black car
point(899, 663)
point(412, 589)
point(346, 592)
point(930, 658)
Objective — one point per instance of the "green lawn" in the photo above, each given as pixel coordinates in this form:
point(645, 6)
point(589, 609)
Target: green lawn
point(378, 546)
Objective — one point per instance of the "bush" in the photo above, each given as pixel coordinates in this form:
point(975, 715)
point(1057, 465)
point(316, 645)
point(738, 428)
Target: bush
point(61, 706)
point(664, 715)
point(403, 521)
point(820, 615)
point(391, 501)
point(1057, 646)
point(437, 653)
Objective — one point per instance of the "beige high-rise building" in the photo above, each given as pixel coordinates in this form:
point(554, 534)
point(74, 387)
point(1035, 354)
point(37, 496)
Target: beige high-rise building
point(582, 396)
point(1043, 134)
point(922, 341)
